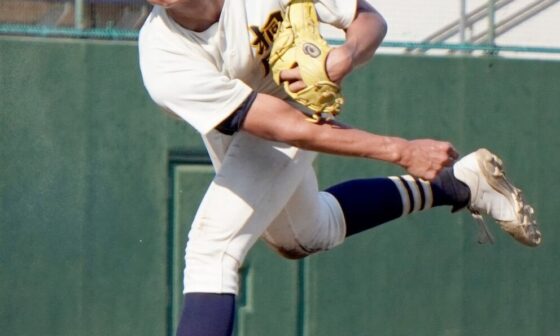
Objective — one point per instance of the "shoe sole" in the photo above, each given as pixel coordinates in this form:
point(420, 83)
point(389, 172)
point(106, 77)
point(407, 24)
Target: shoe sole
point(524, 229)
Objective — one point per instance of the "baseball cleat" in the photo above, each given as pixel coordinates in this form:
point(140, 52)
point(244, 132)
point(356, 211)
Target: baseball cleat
point(493, 195)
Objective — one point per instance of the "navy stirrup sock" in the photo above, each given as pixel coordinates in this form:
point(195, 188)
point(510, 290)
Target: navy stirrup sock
point(448, 190)
point(207, 314)
point(367, 203)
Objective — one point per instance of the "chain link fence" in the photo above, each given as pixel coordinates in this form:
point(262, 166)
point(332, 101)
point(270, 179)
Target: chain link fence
point(111, 19)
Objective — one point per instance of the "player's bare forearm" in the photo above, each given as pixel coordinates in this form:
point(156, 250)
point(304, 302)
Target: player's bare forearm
point(363, 37)
point(273, 119)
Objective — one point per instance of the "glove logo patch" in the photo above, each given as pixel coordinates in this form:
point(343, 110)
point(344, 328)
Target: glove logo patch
point(311, 50)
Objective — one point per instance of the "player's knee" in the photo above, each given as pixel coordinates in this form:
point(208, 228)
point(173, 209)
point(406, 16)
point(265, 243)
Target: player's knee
point(292, 254)
point(294, 251)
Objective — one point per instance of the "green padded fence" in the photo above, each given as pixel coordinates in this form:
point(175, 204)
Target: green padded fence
point(97, 188)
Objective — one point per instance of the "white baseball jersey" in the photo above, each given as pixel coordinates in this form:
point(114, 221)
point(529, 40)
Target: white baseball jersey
point(203, 77)
point(264, 188)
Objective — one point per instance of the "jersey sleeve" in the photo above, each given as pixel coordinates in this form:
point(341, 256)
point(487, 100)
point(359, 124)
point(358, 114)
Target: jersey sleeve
point(338, 13)
point(189, 86)
point(201, 97)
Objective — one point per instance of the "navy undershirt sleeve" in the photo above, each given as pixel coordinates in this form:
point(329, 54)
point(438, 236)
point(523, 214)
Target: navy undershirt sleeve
point(234, 122)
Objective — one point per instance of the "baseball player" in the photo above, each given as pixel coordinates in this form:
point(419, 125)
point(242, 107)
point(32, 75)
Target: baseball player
point(207, 62)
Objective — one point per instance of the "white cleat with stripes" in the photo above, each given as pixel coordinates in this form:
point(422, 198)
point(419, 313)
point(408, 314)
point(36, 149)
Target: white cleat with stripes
point(493, 195)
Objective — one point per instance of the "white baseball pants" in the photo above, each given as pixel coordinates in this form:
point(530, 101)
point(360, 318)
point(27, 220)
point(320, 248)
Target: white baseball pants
point(262, 188)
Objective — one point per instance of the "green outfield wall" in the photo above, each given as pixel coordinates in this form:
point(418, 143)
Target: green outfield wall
point(98, 187)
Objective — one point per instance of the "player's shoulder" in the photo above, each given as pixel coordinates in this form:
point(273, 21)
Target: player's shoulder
point(153, 26)
point(160, 33)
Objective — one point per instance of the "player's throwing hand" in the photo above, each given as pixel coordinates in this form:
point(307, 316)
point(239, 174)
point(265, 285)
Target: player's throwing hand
point(425, 158)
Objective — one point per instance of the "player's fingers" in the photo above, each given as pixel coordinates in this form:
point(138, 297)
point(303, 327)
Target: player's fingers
point(290, 75)
point(449, 161)
point(452, 152)
point(297, 86)
point(448, 148)
point(448, 153)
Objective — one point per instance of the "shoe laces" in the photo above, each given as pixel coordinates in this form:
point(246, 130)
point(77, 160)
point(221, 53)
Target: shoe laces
point(484, 235)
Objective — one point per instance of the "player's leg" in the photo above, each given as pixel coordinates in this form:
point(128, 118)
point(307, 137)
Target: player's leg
point(477, 181)
point(320, 220)
point(367, 203)
point(210, 314)
point(254, 183)
point(312, 221)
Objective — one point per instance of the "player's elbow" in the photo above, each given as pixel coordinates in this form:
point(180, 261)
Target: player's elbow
point(367, 32)
point(378, 31)
point(377, 22)
point(378, 28)
point(381, 27)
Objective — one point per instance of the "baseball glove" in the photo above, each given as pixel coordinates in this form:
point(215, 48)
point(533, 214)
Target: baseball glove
point(298, 43)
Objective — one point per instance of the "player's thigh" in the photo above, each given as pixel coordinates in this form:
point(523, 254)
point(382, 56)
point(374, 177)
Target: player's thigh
point(312, 221)
point(254, 183)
